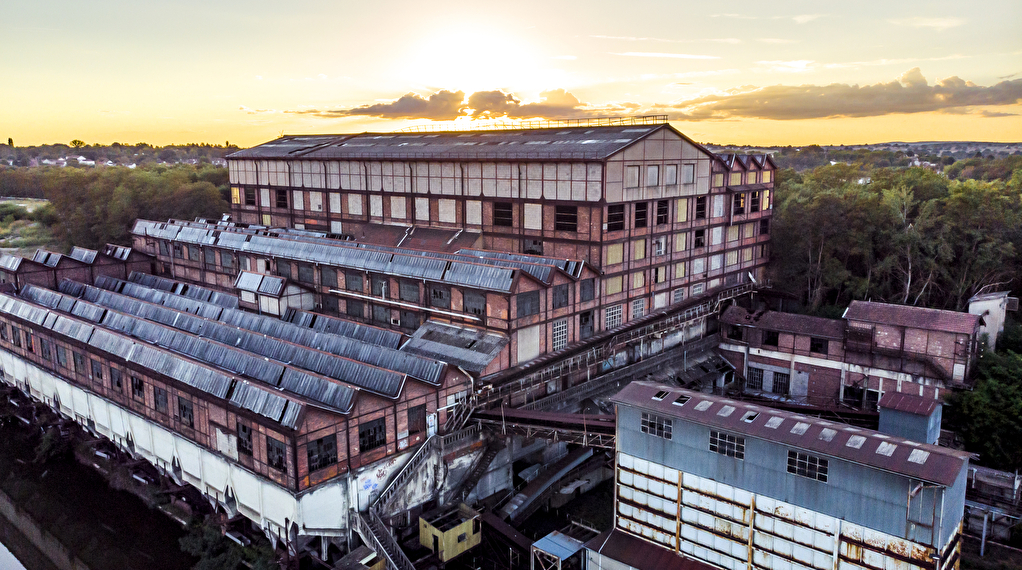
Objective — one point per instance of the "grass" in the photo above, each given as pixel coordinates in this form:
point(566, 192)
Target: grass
point(19, 234)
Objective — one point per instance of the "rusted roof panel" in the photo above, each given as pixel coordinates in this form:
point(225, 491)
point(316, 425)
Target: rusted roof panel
point(941, 465)
point(641, 554)
point(909, 403)
point(785, 322)
point(912, 317)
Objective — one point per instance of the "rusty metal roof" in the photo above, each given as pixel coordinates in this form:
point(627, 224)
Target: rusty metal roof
point(909, 403)
point(641, 554)
point(930, 463)
point(785, 322)
point(912, 317)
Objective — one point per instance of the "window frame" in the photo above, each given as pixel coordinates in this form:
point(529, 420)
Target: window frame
point(369, 435)
point(656, 425)
point(566, 218)
point(318, 452)
point(727, 444)
point(808, 465)
point(503, 214)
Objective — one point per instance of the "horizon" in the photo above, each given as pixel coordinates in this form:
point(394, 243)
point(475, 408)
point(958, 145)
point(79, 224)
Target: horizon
point(183, 71)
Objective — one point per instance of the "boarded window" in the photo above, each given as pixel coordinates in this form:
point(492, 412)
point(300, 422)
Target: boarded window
point(353, 281)
point(354, 308)
point(328, 277)
point(561, 296)
point(306, 273)
point(417, 419)
point(587, 289)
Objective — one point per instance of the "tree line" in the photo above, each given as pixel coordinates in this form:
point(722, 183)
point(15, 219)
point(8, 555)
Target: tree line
point(92, 207)
point(121, 154)
point(906, 236)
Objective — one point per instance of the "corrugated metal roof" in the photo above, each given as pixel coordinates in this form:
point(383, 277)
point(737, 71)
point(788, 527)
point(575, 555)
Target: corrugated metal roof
point(480, 276)
point(912, 317)
point(366, 333)
point(248, 281)
point(332, 394)
point(469, 348)
point(47, 258)
point(10, 262)
point(117, 252)
point(83, 255)
point(554, 143)
point(862, 446)
point(909, 403)
point(183, 289)
point(263, 402)
point(785, 322)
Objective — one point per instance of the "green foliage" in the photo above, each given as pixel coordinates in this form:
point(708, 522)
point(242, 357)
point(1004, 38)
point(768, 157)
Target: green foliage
point(989, 418)
point(216, 552)
point(910, 236)
point(92, 207)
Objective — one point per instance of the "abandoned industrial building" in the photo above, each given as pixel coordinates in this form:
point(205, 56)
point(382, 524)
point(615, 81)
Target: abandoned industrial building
point(387, 326)
point(737, 485)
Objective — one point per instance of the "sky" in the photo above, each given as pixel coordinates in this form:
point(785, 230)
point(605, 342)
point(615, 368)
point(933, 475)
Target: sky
point(757, 73)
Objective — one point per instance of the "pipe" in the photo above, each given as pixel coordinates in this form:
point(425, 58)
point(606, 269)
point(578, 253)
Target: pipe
point(983, 539)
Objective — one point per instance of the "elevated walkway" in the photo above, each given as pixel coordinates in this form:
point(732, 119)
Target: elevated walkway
point(520, 503)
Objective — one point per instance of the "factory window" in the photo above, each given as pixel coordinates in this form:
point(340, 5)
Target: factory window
point(771, 338)
point(660, 395)
point(227, 261)
point(115, 379)
point(186, 411)
point(532, 247)
point(766, 176)
point(641, 214)
point(528, 303)
point(754, 380)
point(284, 269)
point(560, 334)
point(328, 277)
point(178, 251)
point(79, 362)
point(764, 227)
point(656, 425)
point(353, 281)
point(164, 250)
point(738, 204)
point(417, 419)
point(807, 465)
point(244, 439)
point(735, 179)
point(380, 285)
point(566, 218)
point(210, 259)
point(250, 197)
point(137, 388)
point(660, 245)
point(354, 308)
point(670, 174)
point(699, 240)
point(306, 273)
point(193, 253)
point(275, 454)
point(502, 214)
point(754, 202)
point(678, 295)
point(638, 308)
point(409, 320)
point(585, 324)
point(561, 296)
point(381, 314)
point(97, 370)
point(615, 217)
point(727, 444)
point(652, 176)
point(44, 349)
point(688, 174)
point(818, 345)
point(612, 317)
point(372, 434)
point(475, 303)
point(330, 304)
point(701, 208)
point(735, 332)
point(322, 452)
point(661, 212)
point(587, 289)
point(631, 176)
point(4, 334)
point(782, 381)
point(160, 399)
point(281, 198)
point(62, 356)
point(440, 296)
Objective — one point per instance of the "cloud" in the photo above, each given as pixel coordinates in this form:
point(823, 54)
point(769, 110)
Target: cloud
point(670, 55)
point(939, 24)
point(777, 41)
point(991, 114)
point(565, 57)
point(794, 66)
point(908, 94)
point(447, 105)
point(797, 18)
point(806, 18)
point(440, 106)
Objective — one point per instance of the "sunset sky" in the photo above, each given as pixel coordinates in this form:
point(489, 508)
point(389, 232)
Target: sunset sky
point(780, 72)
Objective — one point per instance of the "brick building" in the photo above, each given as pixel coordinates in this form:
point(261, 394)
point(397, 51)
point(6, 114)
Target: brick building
point(873, 349)
point(657, 214)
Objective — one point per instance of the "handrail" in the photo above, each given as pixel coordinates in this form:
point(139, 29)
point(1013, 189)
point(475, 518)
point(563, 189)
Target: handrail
point(365, 530)
point(413, 462)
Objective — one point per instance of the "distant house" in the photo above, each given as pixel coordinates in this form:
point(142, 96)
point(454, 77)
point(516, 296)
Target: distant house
point(875, 348)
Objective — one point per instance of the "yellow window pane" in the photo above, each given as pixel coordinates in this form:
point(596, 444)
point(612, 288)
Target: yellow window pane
point(679, 241)
point(639, 249)
point(750, 229)
point(683, 209)
point(235, 195)
point(732, 258)
point(615, 253)
point(679, 270)
point(766, 176)
point(732, 233)
point(613, 285)
point(638, 280)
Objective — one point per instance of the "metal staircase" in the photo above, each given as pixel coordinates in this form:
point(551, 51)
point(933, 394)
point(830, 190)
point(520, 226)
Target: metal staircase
point(376, 536)
point(464, 489)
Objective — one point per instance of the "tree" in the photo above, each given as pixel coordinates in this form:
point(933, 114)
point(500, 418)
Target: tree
point(10, 142)
point(77, 143)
